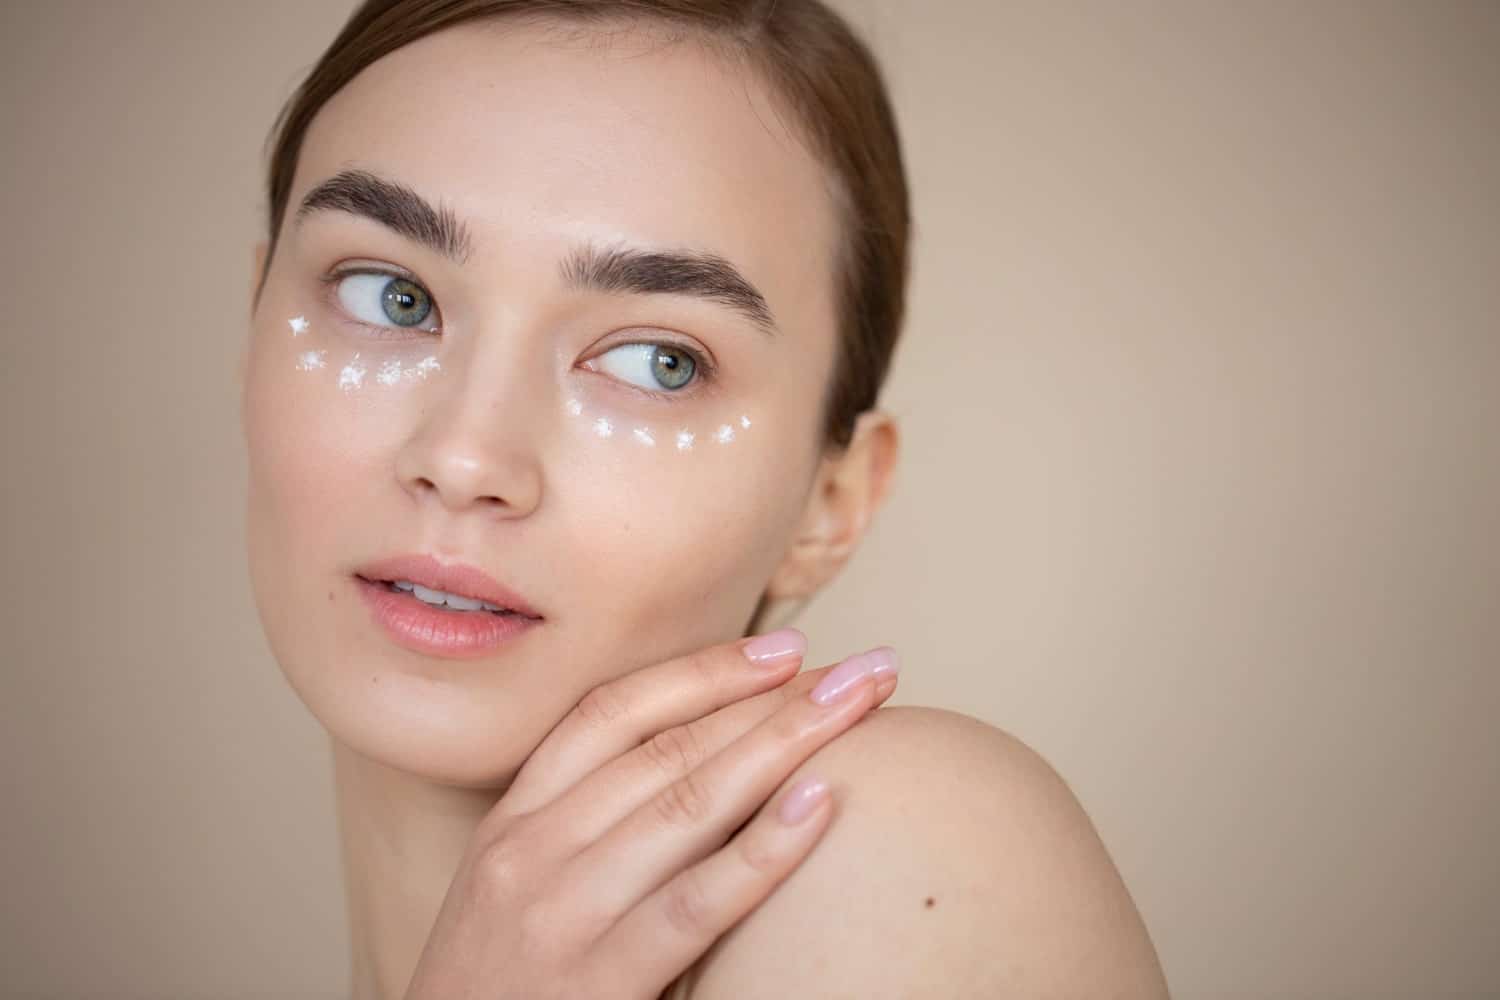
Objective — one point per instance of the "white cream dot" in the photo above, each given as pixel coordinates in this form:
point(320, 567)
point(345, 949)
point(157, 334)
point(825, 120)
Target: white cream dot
point(603, 427)
point(390, 372)
point(310, 360)
point(644, 436)
point(420, 370)
point(684, 440)
point(353, 374)
point(298, 324)
point(744, 421)
point(725, 434)
point(575, 407)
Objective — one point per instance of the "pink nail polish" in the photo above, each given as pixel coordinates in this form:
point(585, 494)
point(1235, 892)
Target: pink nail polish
point(846, 677)
point(802, 801)
point(886, 666)
point(774, 647)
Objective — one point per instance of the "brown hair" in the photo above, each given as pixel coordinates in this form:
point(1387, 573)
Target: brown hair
point(813, 62)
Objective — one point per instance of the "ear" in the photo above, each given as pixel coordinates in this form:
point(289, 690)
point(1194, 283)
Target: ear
point(257, 265)
point(851, 486)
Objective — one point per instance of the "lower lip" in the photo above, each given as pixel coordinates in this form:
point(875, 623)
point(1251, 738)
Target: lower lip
point(446, 632)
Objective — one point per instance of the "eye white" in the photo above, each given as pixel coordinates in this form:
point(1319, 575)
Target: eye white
point(361, 294)
point(636, 359)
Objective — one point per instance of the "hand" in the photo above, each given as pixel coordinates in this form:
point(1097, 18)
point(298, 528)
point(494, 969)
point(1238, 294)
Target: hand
point(607, 868)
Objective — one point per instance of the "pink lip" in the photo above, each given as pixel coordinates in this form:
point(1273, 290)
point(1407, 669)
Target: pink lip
point(441, 632)
point(452, 578)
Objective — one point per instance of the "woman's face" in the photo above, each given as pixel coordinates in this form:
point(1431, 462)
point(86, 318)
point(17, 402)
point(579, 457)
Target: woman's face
point(496, 410)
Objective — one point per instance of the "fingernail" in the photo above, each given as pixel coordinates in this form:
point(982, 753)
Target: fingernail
point(802, 801)
point(845, 677)
point(885, 674)
point(886, 664)
point(774, 647)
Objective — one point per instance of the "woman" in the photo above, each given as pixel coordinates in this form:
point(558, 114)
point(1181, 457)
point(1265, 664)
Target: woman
point(565, 346)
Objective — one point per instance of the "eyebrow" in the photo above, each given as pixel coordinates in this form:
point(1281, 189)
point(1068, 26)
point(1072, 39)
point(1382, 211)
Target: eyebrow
point(697, 273)
point(612, 269)
point(395, 206)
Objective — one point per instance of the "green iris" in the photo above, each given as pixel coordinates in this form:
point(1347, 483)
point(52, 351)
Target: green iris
point(671, 367)
point(405, 302)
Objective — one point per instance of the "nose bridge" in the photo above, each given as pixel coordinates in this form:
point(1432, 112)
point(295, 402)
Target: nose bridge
point(475, 443)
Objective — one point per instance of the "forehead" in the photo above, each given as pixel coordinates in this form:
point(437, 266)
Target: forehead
point(540, 137)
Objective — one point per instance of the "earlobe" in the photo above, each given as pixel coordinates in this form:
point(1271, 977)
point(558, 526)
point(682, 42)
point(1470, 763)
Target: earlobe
point(851, 486)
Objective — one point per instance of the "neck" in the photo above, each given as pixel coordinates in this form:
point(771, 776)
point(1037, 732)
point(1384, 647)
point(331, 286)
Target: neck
point(402, 838)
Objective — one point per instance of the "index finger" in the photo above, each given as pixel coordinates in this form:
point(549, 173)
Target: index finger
point(619, 715)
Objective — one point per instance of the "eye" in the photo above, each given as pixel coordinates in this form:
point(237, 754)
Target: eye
point(379, 299)
point(653, 367)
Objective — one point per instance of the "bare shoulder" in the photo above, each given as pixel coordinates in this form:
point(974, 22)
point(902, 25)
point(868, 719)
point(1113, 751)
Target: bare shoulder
point(959, 864)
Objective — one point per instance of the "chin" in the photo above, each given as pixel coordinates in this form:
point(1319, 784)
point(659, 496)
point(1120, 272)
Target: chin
point(467, 724)
point(439, 731)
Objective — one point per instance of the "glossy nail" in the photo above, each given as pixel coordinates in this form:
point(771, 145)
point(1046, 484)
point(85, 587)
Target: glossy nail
point(773, 648)
point(885, 673)
point(886, 664)
point(802, 801)
point(846, 677)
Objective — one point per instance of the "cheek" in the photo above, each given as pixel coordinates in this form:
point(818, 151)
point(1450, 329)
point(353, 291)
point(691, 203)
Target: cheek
point(316, 410)
point(675, 524)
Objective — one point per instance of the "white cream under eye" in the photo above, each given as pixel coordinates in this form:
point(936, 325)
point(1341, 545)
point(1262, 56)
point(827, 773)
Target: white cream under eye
point(645, 360)
point(683, 438)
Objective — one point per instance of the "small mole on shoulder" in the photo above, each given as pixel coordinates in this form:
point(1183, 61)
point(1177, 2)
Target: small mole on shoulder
point(930, 902)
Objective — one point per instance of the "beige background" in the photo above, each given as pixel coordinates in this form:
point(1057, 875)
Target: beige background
point(1200, 492)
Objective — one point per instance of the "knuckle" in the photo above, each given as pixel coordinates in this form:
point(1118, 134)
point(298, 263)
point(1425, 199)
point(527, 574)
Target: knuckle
point(674, 751)
point(686, 905)
point(685, 802)
point(706, 665)
point(501, 865)
point(602, 707)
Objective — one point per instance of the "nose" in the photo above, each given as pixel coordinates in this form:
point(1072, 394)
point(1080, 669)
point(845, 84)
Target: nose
point(473, 449)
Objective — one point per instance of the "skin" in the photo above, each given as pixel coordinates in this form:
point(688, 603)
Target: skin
point(634, 555)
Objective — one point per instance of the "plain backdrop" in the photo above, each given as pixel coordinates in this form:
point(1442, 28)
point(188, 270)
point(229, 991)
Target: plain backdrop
point(1199, 497)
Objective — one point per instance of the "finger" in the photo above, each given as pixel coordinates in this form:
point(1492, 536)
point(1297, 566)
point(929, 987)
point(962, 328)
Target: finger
point(681, 920)
point(697, 813)
point(586, 811)
point(619, 715)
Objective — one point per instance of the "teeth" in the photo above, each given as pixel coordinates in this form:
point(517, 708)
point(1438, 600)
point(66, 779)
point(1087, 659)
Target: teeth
point(440, 598)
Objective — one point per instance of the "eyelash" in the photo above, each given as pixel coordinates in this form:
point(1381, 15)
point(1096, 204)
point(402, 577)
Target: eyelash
point(706, 370)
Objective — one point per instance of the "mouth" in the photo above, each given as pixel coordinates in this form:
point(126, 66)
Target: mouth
point(440, 623)
point(456, 588)
point(442, 600)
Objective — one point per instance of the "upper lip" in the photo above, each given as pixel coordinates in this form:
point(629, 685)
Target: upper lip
point(452, 578)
